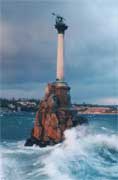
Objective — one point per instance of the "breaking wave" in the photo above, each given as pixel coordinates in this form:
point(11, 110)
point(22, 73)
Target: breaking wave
point(84, 155)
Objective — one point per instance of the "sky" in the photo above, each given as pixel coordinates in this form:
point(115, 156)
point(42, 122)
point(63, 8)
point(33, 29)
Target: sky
point(28, 46)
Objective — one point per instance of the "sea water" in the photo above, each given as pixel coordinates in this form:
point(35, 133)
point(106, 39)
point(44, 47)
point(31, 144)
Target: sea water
point(88, 153)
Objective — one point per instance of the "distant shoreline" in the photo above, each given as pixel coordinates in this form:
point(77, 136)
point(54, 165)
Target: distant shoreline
point(31, 105)
point(98, 113)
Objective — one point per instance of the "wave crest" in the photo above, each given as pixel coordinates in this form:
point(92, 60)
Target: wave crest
point(83, 154)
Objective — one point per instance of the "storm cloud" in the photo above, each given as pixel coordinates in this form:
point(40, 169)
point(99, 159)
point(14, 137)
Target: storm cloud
point(28, 48)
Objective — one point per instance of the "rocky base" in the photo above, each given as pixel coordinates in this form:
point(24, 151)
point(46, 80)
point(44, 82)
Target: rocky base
point(54, 116)
point(41, 143)
point(33, 141)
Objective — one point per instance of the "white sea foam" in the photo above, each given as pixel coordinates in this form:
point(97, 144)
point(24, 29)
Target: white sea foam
point(81, 150)
point(79, 147)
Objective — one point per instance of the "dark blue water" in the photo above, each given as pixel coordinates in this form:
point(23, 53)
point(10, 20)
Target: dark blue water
point(88, 152)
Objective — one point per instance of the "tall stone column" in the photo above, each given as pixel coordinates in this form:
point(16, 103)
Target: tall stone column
point(61, 27)
point(60, 57)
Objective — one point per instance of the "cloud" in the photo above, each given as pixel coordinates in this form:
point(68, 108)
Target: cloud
point(34, 90)
point(31, 38)
point(91, 48)
point(7, 46)
point(23, 56)
point(109, 100)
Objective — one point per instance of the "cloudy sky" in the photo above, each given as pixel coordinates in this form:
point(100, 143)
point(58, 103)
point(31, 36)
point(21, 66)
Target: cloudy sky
point(29, 41)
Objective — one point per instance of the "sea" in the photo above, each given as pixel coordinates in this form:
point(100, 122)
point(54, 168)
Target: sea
point(89, 152)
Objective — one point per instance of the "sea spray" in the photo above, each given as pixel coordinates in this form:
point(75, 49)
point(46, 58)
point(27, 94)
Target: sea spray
point(82, 154)
point(88, 153)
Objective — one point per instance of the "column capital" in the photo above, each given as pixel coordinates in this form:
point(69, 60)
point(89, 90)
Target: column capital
point(60, 24)
point(61, 27)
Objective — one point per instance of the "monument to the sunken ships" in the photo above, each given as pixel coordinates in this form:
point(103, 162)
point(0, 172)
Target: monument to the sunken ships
point(55, 113)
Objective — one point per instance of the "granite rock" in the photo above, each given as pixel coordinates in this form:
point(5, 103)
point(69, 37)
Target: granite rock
point(55, 114)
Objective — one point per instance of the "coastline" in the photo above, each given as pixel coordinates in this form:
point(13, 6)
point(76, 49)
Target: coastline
point(98, 113)
point(31, 105)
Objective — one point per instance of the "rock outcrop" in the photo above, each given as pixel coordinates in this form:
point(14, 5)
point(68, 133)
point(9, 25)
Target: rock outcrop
point(54, 116)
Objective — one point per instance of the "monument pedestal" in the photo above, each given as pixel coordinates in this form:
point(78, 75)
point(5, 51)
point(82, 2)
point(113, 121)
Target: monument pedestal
point(54, 116)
